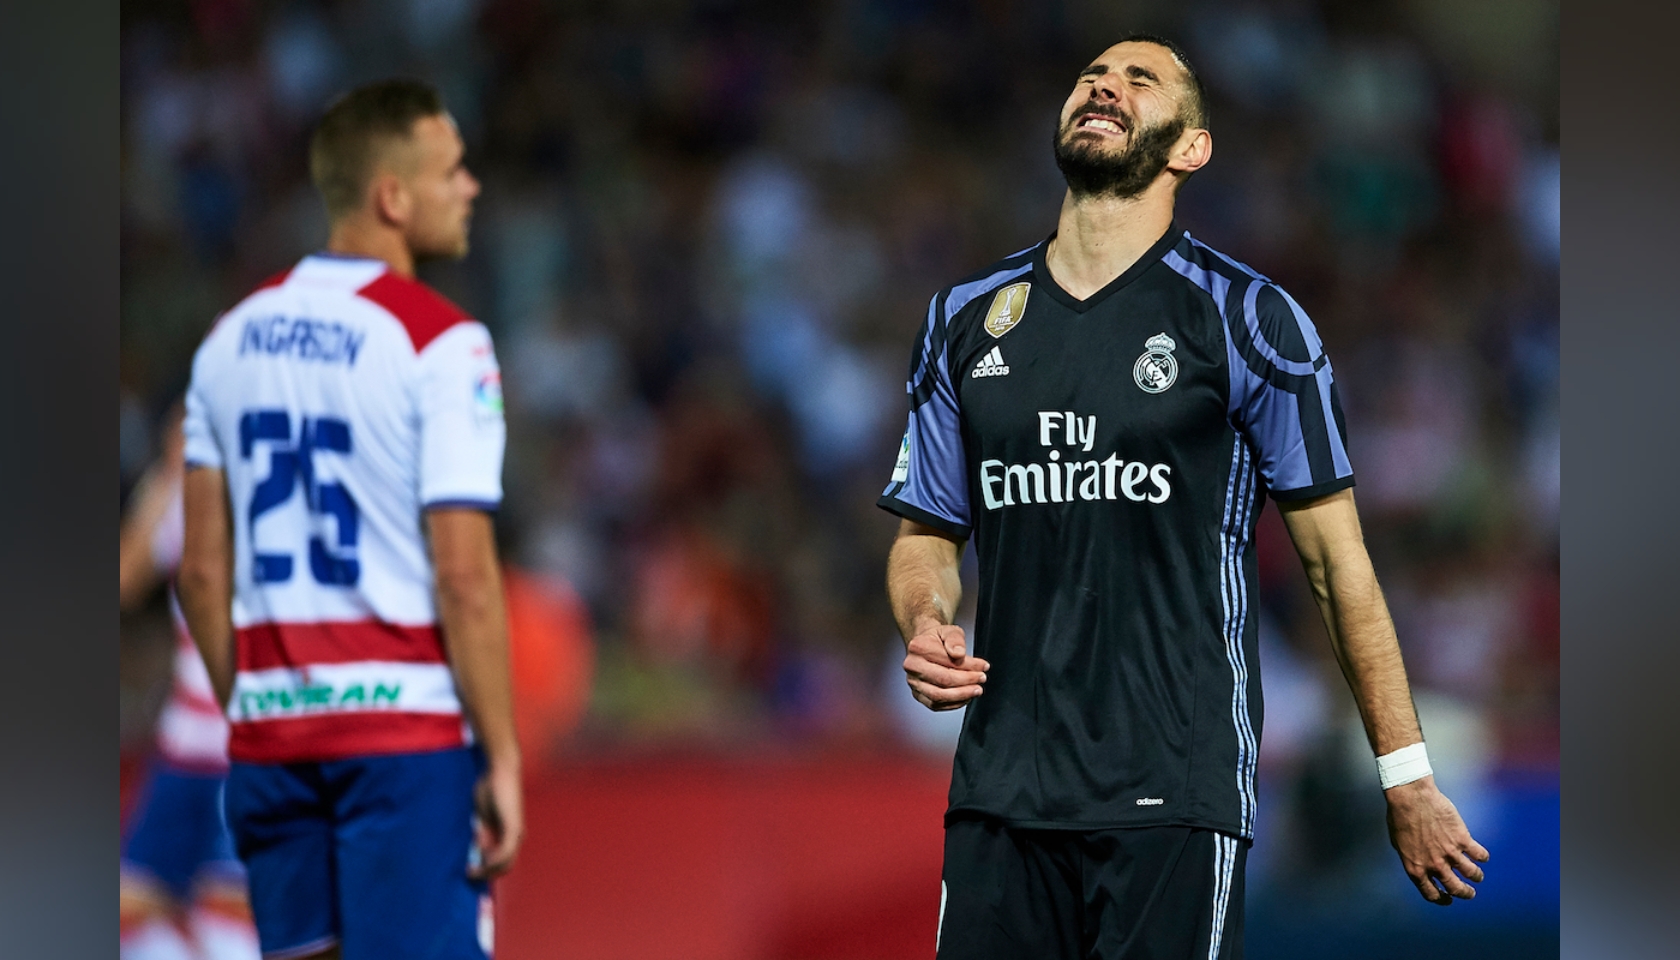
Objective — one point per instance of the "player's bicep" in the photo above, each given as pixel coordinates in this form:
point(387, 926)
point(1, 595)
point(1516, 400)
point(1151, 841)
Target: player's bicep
point(462, 432)
point(1323, 528)
point(463, 547)
point(936, 540)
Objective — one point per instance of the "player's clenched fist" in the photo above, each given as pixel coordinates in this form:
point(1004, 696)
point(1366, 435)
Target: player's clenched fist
point(941, 674)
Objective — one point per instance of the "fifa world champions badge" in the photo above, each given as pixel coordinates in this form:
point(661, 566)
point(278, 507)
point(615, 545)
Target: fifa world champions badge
point(1156, 370)
point(1007, 308)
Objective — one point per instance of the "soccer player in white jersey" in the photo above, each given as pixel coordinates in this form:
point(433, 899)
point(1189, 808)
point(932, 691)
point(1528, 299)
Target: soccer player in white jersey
point(344, 441)
point(182, 890)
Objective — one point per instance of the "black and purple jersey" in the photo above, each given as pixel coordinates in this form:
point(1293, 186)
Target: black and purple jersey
point(1109, 457)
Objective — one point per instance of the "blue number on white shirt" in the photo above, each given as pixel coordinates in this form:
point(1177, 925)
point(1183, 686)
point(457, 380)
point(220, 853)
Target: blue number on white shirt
point(330, 435)
point(274, 426)
point(288, 464)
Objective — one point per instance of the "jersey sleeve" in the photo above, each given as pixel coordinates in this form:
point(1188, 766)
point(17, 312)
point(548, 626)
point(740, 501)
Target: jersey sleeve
point(201, 447)
point(462, 432)
point(930, 480)
point(1283, 397)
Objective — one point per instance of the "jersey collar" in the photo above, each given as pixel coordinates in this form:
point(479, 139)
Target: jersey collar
point(1042, 270)
point(334, 255)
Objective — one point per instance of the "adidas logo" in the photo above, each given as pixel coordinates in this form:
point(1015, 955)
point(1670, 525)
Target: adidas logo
point(991, 365)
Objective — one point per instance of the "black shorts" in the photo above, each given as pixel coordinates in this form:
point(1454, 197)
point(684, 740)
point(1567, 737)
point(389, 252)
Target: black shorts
point(1162, 893)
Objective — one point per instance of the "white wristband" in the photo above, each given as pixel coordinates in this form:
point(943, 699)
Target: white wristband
point(1403, 766)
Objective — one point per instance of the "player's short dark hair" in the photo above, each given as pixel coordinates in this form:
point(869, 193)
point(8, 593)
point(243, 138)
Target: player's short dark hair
point(347, 141)
point(1196, 109)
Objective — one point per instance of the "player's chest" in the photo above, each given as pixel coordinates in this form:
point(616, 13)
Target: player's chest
point(1144, 366)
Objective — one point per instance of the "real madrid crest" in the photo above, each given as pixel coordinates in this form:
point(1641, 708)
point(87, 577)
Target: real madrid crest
point(1007, 308)
point(1156, 370)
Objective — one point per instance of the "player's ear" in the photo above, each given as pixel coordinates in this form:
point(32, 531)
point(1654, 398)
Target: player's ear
point(390, 198)
point(1192, 152)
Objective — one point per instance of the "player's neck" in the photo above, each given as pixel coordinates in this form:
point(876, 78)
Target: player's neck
point(355, 237)
point(1099, 238)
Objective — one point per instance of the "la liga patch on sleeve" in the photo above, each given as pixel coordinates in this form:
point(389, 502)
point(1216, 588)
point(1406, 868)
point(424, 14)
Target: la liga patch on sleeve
point(901, 470)
point(487, 396)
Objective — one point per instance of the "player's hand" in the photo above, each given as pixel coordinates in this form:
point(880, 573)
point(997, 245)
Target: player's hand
point(500, 805)
point(941, 674)
point(1434, 845)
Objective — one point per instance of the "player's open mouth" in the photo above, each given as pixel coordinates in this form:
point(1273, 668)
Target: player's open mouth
point(1100, 124)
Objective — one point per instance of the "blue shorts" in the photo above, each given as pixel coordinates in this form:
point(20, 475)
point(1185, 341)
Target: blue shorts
point(369, 853)
point(176, 836)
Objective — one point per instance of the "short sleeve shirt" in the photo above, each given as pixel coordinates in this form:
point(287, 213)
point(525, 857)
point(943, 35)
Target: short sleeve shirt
point(1109, 458)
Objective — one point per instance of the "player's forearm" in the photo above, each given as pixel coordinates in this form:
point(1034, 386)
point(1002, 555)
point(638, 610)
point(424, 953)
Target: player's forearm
point(1362, 635)
point(923, 579)
point(473, 617)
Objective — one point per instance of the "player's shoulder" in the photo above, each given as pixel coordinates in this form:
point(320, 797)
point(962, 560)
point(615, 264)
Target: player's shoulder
point(1260, 310)
point(1013, 269)
point(1190, 255)
point(424, 313)
point(351, 286)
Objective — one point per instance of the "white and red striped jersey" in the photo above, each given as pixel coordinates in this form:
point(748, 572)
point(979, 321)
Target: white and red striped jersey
point(342, 400)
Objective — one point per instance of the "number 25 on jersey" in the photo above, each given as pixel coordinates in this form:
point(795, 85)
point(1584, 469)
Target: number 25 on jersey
point(292, 464)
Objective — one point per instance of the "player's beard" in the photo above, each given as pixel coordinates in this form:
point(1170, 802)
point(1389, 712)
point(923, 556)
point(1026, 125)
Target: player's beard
point(1091, 171)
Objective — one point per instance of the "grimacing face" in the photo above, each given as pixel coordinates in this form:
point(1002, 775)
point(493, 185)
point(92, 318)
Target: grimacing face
point(440, 187)
point(1118, 127)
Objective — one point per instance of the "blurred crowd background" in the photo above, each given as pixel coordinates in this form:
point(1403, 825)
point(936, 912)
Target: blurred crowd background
point(707, 236)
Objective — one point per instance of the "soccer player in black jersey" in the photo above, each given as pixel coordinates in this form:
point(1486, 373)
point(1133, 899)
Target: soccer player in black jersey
point(1105, 414)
